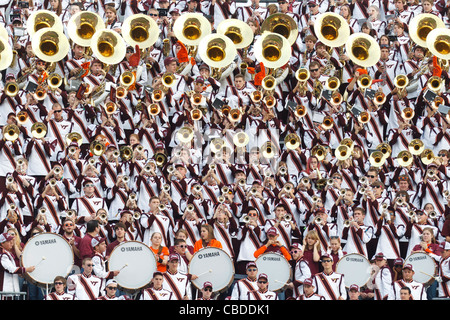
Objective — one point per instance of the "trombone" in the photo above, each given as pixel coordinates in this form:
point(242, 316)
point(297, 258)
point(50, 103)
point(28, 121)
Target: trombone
point(38, 130)
point(11, 132)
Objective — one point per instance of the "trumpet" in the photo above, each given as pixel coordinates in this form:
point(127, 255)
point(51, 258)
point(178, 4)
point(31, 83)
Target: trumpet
point(400, 202)
point(132, 196)
point(379, 98)
point(126, 153)
point(190, 207)
point(154, 109)
point(157, 95)
point(196, 114)
point(287, 218)
point(318, 220)
point(11, 89)
point(136, 216)
point(166, 188)
point(38, 130)
point(71, 214)
point(103, 218)
point(162, 207)
point(110, 107)
point(432, 215)
point(161, 159)
point(342, 192)
point(126, 179)
point(300, 111)
point(292, 141)
point(364, 117)
point(408, 113)
point(246, 219)
point(97, 148)
point(52, 182)
point(347, 223)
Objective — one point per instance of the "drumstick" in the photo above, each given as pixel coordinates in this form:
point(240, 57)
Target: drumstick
point(126, 265)
point(426, 274)
point(201, 274)
point(285, 283)
point(43, 258)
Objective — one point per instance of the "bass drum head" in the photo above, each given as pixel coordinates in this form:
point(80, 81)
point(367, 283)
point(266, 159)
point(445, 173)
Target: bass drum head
point(52, 256)
point(356, 269)
point(277, 269)
point(136, 263)
point(424, 267)
point(213, 265)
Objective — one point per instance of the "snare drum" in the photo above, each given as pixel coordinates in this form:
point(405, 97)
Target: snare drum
point(356, 269)
point(136, 263)
point(52, 256)
point(277, 269)
point(213, 265)
point(424, 267)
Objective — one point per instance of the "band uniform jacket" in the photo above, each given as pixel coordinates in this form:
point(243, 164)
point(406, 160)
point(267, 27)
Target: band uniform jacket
point(331, 286)
point(258, 295)
point(84, 287)
point(242, 287)
point(156, 294)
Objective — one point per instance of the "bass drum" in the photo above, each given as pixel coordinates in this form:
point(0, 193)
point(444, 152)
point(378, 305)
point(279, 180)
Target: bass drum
point(277, 269)
point(213, 265)
point(52, 256)
point(136, 263)
point(356, 269)
point(425, 267)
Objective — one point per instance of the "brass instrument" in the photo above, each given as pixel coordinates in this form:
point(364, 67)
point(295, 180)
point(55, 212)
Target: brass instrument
point(282, 24)
point(342, 152)
point(121, 92)
point(38, 130)
point(292, 141)
point(364, 117)
point(287, 217)
point(300, 111)
point(97, 148)
point(168, 80)
point(268, 150)
point(160, 159)
point(185, 134)
point(11, 132)
point(11, 89)
point(140, 30)
point(438, 42)
point(196, 114)
point(154, 109)
point(256, 96)
point(241, 139)
point(380, 98)
point(416, 147)
point(349, 143)
point(327, 122)
point(40, 93)
point(50, 44)
point(404, 158)
point(225, 110)
point(216, 145)
point(319, 152)
point(385, 148)
point(270, 101)
point(74, 137)
point(157, 95)
point(110, 107)
point(54, 81)
point(82, 27)
point(377, 159)
point(126, 79)
point(108, 46)
point(268, 83)
point(421, 25)
point(437, 102)
point(331, 29)
point(318, 220)
point(364, 81)
point(191, 28)
point(42, 19)
point(235, 115)
point(332, 83)
point(272, 49)
point(217, 50)
point(363, 49)
point(427, 156)
point(435, 83)
point(126, 153)
point(336, 98)
point(408, 113)
point(197, 99)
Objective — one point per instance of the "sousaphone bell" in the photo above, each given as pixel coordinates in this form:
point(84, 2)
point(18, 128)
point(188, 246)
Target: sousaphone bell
point(50, 44)
point(191, 28)
point(363, 49)
point(82, 27)
point(421, 25)
point(281, 24)
point(41, 19)
point(108, 46)
point(217, 50)
point(272, 49)
point(238, 31)
point(331, 29)
point(141, 30)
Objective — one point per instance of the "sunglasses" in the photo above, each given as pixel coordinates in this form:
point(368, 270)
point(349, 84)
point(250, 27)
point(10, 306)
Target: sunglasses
point(442, 155)
point(314, 70)
point(376, 186)
point(89, 185)
point(89, 265)
point(111, 288)
point(207, 289)
point(371, 176)
point(337, 178)
point(60, 283)
point(264, 282)
point(326, 260)
point(57, 111)
point(153, 15)
point(252, 269)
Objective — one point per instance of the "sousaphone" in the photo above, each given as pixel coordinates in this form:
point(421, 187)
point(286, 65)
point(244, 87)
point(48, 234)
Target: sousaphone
point(238, 31)
point(191, 28)
point(6, 54)
point(421, 25)
point(363, 49)
point(140, 29)
point(281, 24)
point(438, 42)
point(217, 50)
point(272, 49)
point(331, 29)
point(108, 46)
point(82, 27)
point(43, 19)
point(50, 44)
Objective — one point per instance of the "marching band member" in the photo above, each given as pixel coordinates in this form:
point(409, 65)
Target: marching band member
point(263, 293)
point(328, 283)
